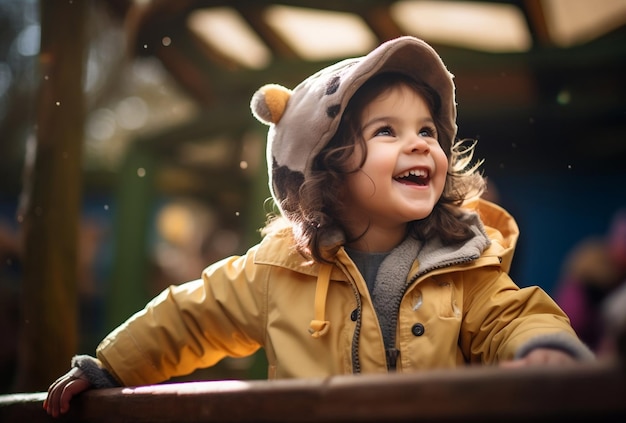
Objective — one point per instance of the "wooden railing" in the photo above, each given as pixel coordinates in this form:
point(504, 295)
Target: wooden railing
point(585, 392)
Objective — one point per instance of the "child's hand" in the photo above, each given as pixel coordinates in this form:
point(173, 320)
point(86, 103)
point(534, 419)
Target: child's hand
point(541, 356)
point(63, 389)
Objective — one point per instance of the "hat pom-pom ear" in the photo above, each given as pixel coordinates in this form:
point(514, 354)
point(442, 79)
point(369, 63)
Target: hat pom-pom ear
point(269, 102)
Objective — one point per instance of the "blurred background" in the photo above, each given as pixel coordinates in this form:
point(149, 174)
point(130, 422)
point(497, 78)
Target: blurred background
point(170, 166)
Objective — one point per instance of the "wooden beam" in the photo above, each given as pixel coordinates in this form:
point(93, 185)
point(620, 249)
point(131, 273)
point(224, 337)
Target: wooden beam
point(593, 392)
point(381, 22)
point(253, 14)
point(51, 196)
point(536, 19)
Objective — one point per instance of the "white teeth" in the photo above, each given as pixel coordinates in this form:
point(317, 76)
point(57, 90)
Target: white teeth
point(420, 173)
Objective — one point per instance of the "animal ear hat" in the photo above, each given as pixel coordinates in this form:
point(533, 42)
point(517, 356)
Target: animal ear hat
point(303, 120)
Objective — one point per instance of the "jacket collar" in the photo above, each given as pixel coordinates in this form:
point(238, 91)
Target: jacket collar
point(277, 249)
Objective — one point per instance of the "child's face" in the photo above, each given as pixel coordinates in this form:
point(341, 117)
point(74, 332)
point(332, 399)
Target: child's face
point(405, 170)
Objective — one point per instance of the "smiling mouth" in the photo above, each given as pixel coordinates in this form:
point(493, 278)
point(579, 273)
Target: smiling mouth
point(419, 177)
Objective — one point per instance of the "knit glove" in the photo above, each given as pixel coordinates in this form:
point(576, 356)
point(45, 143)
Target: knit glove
point(93, 371)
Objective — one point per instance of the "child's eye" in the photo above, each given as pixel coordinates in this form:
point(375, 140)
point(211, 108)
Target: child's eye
point(428, 132)
point(384, 131)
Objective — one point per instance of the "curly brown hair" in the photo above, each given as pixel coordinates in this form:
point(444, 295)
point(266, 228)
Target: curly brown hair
point(314, 210)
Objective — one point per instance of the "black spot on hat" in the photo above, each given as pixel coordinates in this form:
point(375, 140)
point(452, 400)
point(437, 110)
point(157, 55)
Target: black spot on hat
point(333, 85)
point(333, 110)
point(287, 185)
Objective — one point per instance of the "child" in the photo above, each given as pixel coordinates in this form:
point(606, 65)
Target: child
point(379, 262)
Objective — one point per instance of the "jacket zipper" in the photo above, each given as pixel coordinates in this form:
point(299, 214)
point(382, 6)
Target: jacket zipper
point(392, 358)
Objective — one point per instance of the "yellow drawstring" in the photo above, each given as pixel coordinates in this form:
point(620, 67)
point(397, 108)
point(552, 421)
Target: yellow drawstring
point(319, 326)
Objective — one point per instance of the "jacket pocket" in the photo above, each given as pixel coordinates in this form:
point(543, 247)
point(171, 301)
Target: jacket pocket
point(436, 296)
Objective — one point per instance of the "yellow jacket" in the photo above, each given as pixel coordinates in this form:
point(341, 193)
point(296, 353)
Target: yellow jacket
point(317, 320)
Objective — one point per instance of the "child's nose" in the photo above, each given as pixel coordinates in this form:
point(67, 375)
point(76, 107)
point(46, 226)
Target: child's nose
point(417, 144)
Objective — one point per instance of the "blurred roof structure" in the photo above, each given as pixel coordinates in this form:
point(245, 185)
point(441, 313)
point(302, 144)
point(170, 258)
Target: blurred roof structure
point(540, 82)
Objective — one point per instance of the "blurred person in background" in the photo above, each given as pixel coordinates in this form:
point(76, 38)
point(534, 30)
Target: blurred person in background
point(593, 271)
